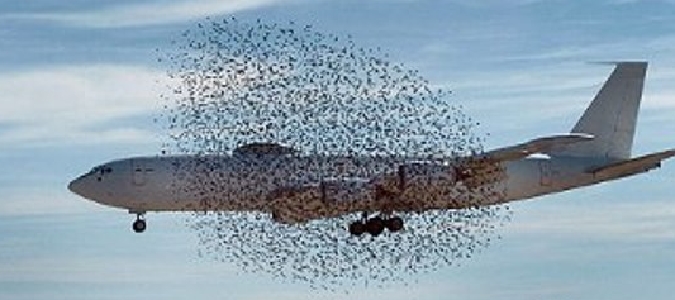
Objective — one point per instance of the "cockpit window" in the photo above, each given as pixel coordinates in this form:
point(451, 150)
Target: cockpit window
point(92, 171)
point(100, 169)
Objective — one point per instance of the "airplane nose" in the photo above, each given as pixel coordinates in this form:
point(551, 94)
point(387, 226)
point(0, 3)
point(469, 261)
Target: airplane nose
point(79, 187)
point(75, 186)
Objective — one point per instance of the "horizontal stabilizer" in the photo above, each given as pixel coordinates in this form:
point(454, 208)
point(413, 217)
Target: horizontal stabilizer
point(538, 145)
point(635, 165)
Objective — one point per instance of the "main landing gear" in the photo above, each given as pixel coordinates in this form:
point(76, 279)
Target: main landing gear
point(139, 225)
point(376, 225)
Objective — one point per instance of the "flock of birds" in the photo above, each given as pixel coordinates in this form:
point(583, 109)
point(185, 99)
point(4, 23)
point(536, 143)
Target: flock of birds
point(237, 83)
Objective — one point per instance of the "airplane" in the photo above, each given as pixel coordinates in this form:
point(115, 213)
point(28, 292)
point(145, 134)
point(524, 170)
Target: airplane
point(278, 180)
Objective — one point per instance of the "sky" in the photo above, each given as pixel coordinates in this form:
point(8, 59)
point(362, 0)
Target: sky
point(78, 87)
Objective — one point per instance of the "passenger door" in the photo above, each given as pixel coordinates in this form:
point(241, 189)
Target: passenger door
point(138, 172)
point(545, 172)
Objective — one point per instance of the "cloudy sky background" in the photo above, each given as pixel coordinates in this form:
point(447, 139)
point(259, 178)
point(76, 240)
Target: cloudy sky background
point(78, 87)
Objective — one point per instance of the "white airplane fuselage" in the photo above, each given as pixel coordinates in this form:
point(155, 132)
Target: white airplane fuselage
point(296, 188)
point(156, 184)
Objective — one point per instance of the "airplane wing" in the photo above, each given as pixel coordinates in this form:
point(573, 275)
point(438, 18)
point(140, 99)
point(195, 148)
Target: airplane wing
point(634, 165)
point(538, 145)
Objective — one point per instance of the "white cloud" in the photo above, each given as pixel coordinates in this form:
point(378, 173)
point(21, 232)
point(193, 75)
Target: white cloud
point(31, 201)
point(541, 92)
point(634, 223)
point(490, 3)
point(664, 100)
point(147, 13)
point(71, 105)
point(648, 48)
point(86, 269)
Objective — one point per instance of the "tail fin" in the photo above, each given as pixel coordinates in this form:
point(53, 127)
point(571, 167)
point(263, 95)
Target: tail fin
point(612, 115)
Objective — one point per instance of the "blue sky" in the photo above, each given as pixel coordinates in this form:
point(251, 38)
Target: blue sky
point(78, 87)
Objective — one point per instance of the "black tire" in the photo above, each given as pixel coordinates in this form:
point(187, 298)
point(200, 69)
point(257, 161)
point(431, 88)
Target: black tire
point(395, 224)
point(375, 226)
point(139, 226)
point(357, 228)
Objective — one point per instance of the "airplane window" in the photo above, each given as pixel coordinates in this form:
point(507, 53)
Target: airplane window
point(92, 171)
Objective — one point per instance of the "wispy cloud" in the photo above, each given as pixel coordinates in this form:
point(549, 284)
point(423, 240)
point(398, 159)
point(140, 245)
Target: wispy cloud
point(492, 3)
point(28, 201)
point(627, 222)
point(629, 48)
point(557, 82)
point(72, 105)
point(146, 13)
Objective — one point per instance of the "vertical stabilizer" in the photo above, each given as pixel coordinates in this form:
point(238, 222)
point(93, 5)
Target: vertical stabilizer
point(612, 115)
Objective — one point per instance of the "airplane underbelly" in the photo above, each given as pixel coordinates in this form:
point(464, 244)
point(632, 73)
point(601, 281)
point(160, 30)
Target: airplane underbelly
point(525, 179)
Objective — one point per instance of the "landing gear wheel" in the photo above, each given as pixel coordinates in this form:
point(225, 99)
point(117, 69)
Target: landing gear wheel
point(357, 228)
point(394, 224)
point(139, 225)
point(375, 226)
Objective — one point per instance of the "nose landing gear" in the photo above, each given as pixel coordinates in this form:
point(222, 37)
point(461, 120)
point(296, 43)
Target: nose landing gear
point(139, 225)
